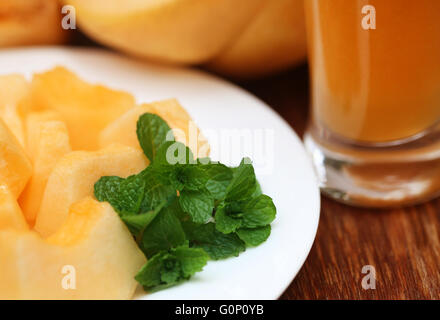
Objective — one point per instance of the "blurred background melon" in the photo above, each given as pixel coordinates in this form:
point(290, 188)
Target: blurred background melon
point(245, 38)
point(30, 22)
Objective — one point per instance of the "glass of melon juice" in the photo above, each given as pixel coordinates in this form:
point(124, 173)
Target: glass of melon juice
point(374, 134)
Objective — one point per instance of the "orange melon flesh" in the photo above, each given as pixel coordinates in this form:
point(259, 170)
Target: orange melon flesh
point(123, 129)
point(85, 108)
point(15, 167)
point(94, 243)
point(33, 122)
point(74, 176)
point(13, 89)
point(47, 142)
point(11, 216)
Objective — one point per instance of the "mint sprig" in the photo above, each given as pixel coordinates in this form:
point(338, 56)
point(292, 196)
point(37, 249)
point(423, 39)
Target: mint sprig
point(168, 268)
point(184, 211)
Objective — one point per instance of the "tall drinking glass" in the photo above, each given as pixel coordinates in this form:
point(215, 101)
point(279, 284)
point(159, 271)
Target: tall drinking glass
point(374, 133)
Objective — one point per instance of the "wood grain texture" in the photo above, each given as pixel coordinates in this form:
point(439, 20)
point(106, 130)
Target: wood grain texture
point(403, 245)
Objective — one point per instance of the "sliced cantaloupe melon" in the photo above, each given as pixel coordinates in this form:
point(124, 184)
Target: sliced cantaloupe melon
point(15, 167)
point(92, 256)
point(11, 216)
point(74, 176)
point(13, 89)
point(47, 141)
point(33, 122)
point(85, 108)
point(123, 129)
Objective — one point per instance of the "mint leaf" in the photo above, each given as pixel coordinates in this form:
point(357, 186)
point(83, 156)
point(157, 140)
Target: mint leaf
point(171, 270)
point(197, 204)
point(258, 212)
point(191, 260)
point(136, 194)
point(216, 244)
point(257, 191)
point(219, 178)
point(188, 176)
point(254, 237)
point(243, 183)
point(226, 223)
point(155, 190)
point(163, 233)
point(107, 189)
point(168, 268)
point(125, 195)
point(131, 192)
point(152, 131)
point(137, 223)
point(193, 177)
point(149, 276)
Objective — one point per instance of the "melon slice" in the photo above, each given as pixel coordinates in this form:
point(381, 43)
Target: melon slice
point(74, 176)
point(33, 123)
point(85, 108)
point(11, 216)
point(123, 129)
point(92, 256)
point(13, 89)
point(47, 141)
point(15, 167)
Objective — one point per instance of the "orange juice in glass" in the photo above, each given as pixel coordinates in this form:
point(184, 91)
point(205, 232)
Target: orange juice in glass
point(375, 75)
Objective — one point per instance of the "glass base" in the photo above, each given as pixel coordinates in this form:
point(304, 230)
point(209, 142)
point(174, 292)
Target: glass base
point(376, 176)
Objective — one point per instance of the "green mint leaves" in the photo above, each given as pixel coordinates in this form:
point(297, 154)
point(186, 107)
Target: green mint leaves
point(184, 211)
point(152, 132)
point(218, 245)
point(197, 204)
point(243, 183)
point(168, 268)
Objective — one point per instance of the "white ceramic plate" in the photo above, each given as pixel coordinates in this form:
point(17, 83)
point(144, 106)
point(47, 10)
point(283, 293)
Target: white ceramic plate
point(220, 109)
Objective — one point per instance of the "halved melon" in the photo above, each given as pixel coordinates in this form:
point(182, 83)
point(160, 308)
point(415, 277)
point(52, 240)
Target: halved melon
point(47, 141)
point(85, 108)
point(15, 167)
point(11, 216)
point(31, 22)
point(74, 176)
point(179, 31)
point(13, 89)
point(274, 40)
point(123, 129)
point(92, 256)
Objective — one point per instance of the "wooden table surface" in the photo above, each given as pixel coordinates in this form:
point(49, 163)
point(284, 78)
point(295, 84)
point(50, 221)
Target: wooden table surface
point(402, 245)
